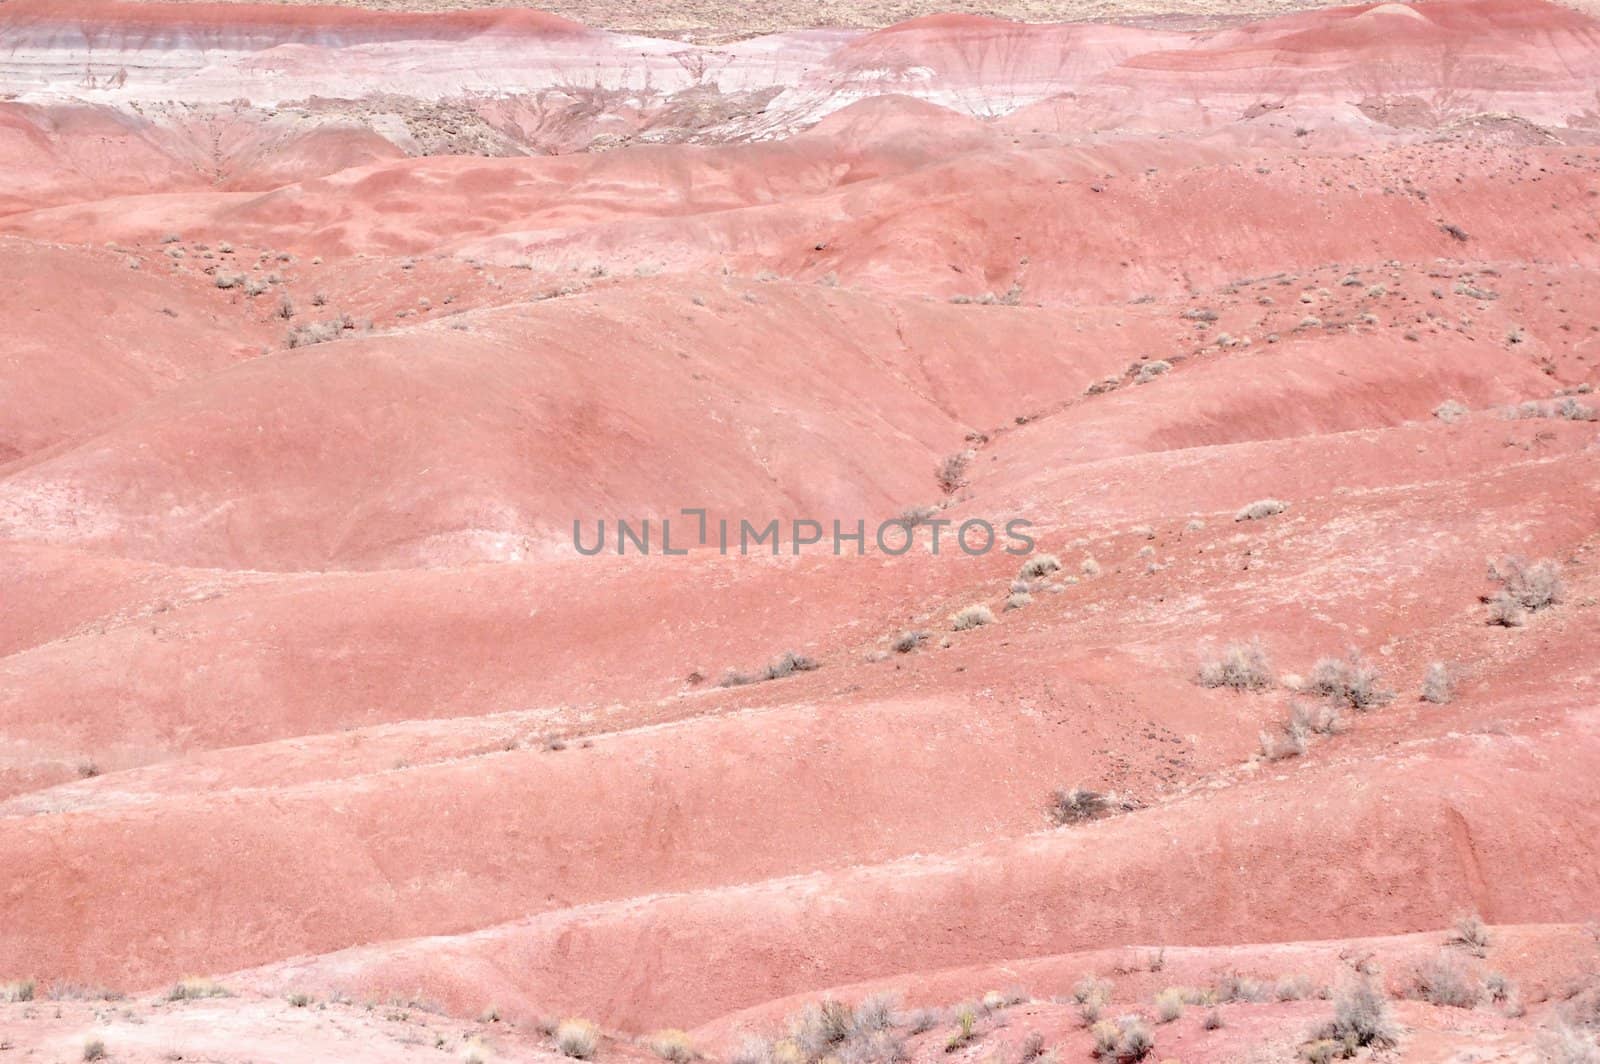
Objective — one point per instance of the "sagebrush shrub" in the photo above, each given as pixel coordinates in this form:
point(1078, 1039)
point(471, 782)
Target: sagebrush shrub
point(1524, 588)
point(193, 988)
point(1039, 565)
point(578, 1039)
point(1441, 980)
point(1072, 805)
point(1349, 680)
point(1243, 666)
point(909, 641)
point(1360, 1018)
point(975, 616)
point(1471, 932)
point(1438, 683)
point(672, 1044)
point(1126, 1039)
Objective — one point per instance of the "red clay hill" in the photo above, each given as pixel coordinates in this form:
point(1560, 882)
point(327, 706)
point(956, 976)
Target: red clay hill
point(319, 738)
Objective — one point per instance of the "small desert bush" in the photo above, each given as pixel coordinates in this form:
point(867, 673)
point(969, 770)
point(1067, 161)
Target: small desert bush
point(1127, 1039)
point(1450, 411)
point(1242, 666)
point(17, 990)
point(1073, 805)
point(1438, 683)
point(1017, 599)
point(1292, 741)
point(1236, 987)
point(1041, 565)
point(1441, 980)
point(821, 1026)
point(672, 1044)
point(1169, 1005)
point(1317, 720)
point(1149, 371)
point(1092, 996)
point(876, 1047)
point(193, 988)
point(966, 1022)
point(1295, 736)
point(1471, 933)
point(789, 664)
point(298, 999)
point(906, 642)
point(873, 1013)
point(1213, 1020)
point(1293, 988)
point(94, 1049)
point(786, 665)
point(975, 616)
point(1261, 508)
point(952, 473)
point(1360, 1018)
point(1573, 410)
point(1349, 681)
point(1524, 588)
point(578, 1039)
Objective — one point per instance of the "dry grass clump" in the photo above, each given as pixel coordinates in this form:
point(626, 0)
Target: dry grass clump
point(830, 1028)
point(1038, 566)
point(578, 1039)
point(672, 1044)
point(1349, 681)
point(1016, 600)
point(1169, 1005)
point(1524, 588)
point(1360, 1019)
point(1261, 508)
point(1450, 411)
point(952, 472)
point(1292, 988)
point(906, 642)
point(1295, 737)
point(1092, 996)
point(1126, 1039)
point(1569, 409)
point(966, 1023)
point(193, 988)
point(1441, 980)
point(94, 1049)
point(1149, 371)
point(1471, 934)
point(309, 333)
point(1074, 805)
point(17, 990)
point(1243, 666)
point(975, 616)
point(1438, 683)
point(786, 665)
point(1236, 987)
